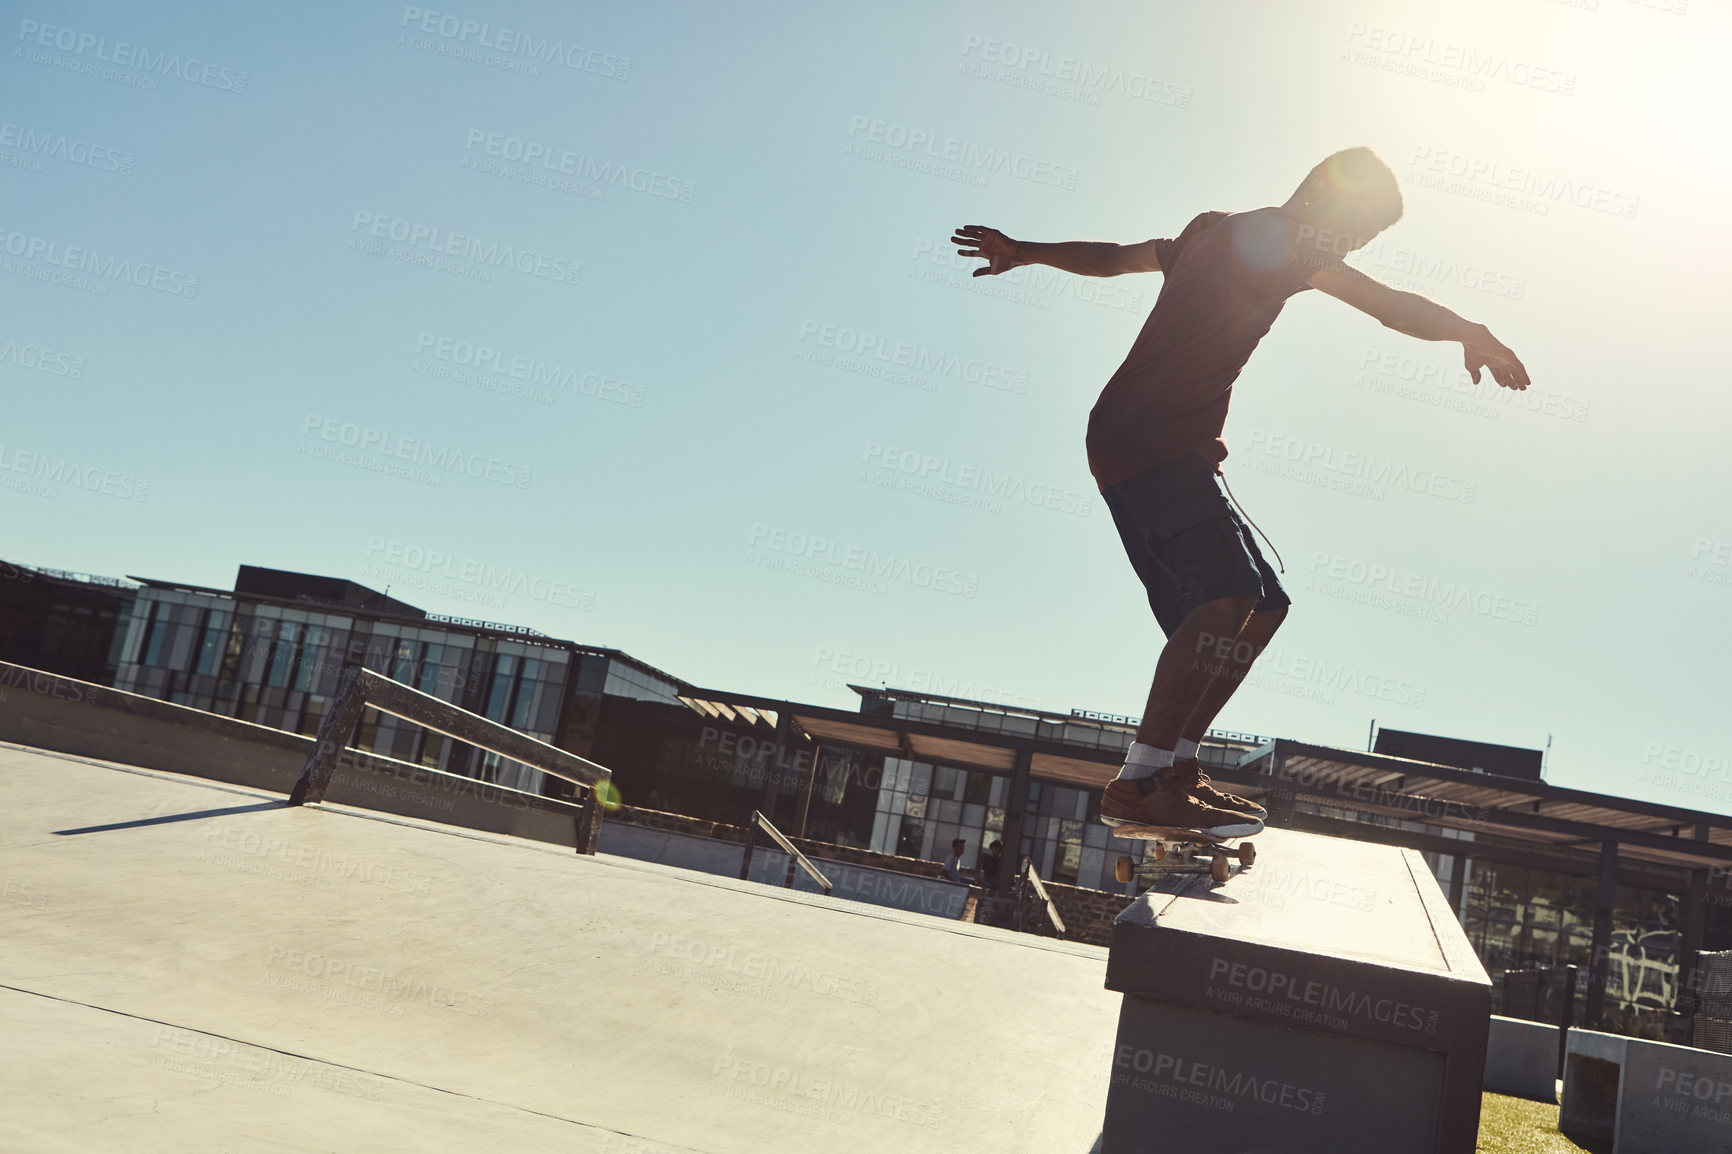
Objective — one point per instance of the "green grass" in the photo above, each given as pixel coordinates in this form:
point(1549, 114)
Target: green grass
point(1518, 1126)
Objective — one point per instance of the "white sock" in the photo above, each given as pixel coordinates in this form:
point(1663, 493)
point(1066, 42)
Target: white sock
point(1185, 750)
point(1142, 761)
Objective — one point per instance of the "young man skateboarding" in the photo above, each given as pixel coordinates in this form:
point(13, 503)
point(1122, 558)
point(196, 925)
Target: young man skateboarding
point(1155, 445)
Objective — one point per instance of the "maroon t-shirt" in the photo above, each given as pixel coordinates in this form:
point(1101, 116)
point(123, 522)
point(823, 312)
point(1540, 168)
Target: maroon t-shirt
point(1227, 276)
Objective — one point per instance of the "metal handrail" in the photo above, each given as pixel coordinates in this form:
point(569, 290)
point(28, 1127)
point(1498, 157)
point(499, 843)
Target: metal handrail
point(360, 689)
point(1034, 883)
point(759, 820)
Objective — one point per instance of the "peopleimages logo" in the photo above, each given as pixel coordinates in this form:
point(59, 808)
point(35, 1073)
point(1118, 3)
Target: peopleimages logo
point(1293, 990)
point(27, 355)
point(557, 161)
point(470, 571)
point(916, 358)
point(925, 470)
point(1069, 77)
point(1680, 760)
point(1712, 561)
point(773, 972)
point(367, 442)
point(59, 146)
point(818, 1095)
point(1431, 382)
point(924, 150)
point(132, 56)
point(1515, 186)
point(441, 242)
point(53, 470)
point(80, 259)
point(388, 983)
point(532, 371)
point(1283, 671)
point(513, 42)
point(813, 555)
point(1427, 58)
point(1414, 594)
point(1358, 473)
point(1398, 262)
point(1204, 1084)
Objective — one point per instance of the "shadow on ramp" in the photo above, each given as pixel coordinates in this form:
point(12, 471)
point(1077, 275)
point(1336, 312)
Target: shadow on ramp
point(166, 819)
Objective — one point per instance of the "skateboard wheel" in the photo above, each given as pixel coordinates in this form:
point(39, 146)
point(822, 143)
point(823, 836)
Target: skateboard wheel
point(1218, 868)
point(1158, 850)
point(1247, 853)
point(1124, 869)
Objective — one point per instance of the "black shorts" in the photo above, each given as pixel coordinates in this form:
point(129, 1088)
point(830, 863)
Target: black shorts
point(1186, 541)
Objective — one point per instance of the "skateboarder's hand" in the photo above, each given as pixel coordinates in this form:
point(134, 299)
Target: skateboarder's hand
point(1490, 353)
point(992, 246)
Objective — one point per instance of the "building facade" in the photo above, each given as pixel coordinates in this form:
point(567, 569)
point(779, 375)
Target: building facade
point(905, 774)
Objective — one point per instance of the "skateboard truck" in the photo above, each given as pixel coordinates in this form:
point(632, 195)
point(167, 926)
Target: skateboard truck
point(1183, 851)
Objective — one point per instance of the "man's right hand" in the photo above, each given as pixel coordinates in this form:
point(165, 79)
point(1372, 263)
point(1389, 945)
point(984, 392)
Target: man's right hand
point(1487, 352)
point(992, 246)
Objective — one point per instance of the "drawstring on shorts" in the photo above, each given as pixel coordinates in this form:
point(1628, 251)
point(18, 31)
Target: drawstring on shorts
point(1248, 520)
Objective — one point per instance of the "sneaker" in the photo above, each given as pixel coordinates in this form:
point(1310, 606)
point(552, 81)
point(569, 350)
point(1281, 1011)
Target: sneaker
point(1164, 799)
point(1191, 772)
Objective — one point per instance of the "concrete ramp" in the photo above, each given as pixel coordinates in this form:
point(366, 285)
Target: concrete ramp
point(187, 966)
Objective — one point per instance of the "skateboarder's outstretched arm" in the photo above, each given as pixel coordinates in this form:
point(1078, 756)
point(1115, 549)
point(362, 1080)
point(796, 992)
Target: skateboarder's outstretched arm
point(1420, 316)
point(1082, 257)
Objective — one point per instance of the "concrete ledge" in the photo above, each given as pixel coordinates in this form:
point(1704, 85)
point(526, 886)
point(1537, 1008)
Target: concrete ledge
point(685, 851)
point(46, 711)
point(1522, 1059)
point(944, 899)
point(1593, 1081)
point(1647, 1097)
point(879, 887)
point(1324, 999)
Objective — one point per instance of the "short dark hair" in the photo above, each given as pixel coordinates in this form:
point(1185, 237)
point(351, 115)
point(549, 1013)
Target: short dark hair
point(1359, 178)
point(959, 841)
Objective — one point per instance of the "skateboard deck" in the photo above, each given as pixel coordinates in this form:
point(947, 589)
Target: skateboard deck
point(1188, 848)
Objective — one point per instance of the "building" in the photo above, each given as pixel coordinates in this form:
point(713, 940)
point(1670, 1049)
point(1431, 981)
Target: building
point(64, 622)
point(1539, 875)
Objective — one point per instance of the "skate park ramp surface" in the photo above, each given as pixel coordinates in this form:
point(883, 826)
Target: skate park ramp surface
point(190, 966)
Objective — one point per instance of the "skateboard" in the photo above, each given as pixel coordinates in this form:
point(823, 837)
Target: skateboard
point(1181, 851)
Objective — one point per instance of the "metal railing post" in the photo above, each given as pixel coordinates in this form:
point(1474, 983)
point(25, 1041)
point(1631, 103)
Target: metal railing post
point(588, 822)
point(336, 731)
point(759, 821)
point(1022, 893)
point(1567, 1018)
point(1048, 906)
point(751, 844)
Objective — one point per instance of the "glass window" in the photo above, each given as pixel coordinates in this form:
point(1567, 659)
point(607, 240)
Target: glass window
point(921, 779)
point(282, 655)
point(155, 630)
point(943, 781)
point(911, 837)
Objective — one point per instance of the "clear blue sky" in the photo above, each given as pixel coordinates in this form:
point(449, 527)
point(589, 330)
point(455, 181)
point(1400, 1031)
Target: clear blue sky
point(772, 437)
